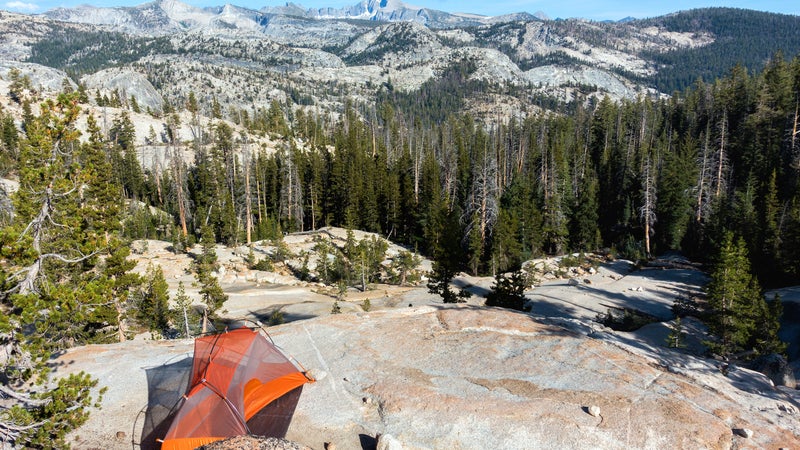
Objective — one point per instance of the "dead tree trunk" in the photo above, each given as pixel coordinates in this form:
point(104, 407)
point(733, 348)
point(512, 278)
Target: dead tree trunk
point(247, 194)
point(647, 211)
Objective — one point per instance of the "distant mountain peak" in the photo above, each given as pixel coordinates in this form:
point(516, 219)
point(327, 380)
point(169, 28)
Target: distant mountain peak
point(175, 6)
point(541, 15)
point(164, 16)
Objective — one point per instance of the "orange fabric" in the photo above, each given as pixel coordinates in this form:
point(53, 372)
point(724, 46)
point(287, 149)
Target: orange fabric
point(205, 413)
point(234, 375)
point(217, 357)
point(257, 396)
point(188, 443)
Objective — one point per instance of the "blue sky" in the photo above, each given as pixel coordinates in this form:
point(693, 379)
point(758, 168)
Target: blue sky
point(589, 9)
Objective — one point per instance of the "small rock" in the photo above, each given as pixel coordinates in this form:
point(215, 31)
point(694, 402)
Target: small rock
point(317, 374)
point(787, 408)
point(366, 400)
point(573, 282)
point(330, 446)
point(593, 411)
point(587, 281)
point(120, 435)
point(744, 432)
point(592, 271)
point(388, 442)
point(253, 442)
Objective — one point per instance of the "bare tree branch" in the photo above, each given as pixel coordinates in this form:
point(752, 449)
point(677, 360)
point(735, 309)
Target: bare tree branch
point(23, 398)
point(28, 284)
point(10, 432)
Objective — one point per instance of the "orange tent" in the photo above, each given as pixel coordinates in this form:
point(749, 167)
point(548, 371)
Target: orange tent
point(234, 376)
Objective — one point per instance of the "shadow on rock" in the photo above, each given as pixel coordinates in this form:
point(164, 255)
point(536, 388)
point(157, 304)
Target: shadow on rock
point(165, 386)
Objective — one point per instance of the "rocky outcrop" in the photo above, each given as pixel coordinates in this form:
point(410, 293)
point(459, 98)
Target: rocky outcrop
point(43, 79)
point(128, 83)
point(476, 378)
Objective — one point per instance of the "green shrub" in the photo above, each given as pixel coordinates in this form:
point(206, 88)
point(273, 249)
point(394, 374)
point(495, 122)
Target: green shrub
point(265, 265)
point(276, 318)
point(625, 319)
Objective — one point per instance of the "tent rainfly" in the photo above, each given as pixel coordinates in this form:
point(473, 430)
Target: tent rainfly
point(235, 375)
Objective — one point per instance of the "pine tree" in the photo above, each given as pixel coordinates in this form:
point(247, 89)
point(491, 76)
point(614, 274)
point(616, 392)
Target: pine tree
point(210, 291)
point(447, 263)
point(583, 229)
point(404, 265)
point(183, 303)
point(735, 299)
point(56, 290)
point(118, 285)
point(153, 309)
point(506, 242)
point(19, 85)
point(675, 339)
point(647, 212)
point(325, 253)
point(9, 139)
point(765, 339)
point(674, 200)
point(508, 291)
point(474, 244)
point(123, 136)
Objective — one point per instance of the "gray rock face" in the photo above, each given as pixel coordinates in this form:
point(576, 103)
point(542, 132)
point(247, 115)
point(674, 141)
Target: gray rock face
point(128, 83)
point(44, 79)
point(386, 11)
point(246, 58)
point(475, 378)
point(472, 378)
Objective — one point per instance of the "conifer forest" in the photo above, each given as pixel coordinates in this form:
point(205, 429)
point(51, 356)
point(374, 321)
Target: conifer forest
point(711, 171)
point(638, 178)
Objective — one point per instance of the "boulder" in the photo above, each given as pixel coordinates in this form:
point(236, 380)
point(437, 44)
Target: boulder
point(388, 442)
point(776, 368)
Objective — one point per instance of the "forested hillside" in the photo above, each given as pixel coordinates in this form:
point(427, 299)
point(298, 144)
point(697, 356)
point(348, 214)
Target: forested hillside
point(319, 60)
point(638, 177)
point(749, 38)
point(641, 177)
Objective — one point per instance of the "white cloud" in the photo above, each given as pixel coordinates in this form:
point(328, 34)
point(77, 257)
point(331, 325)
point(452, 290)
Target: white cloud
point(22, 6)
